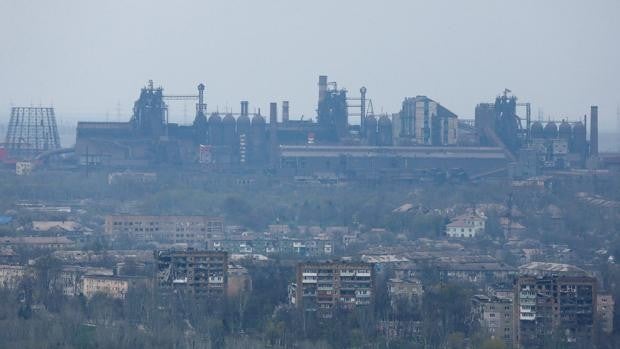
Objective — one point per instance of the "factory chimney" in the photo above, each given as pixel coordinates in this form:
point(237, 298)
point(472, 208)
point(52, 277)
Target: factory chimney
point(285, 112)
point(202, 108)
point(363, 111)
point(322, 88)
point(273, 134)
point(244, 108)
point(594, 130)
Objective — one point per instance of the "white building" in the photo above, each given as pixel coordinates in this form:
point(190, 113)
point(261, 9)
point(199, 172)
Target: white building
point(466, 226)
point(11, 275)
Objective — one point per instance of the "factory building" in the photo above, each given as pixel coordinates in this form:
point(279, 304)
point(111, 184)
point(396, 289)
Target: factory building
point(363, 162)
point(554, 302)
point(423, 121)
point(539, 144)
point(326, 287)
point(249, 141)
point(422, 135)
point(192, 272)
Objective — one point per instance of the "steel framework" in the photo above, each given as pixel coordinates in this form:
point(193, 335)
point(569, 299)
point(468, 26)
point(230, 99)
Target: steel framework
point(32, 130)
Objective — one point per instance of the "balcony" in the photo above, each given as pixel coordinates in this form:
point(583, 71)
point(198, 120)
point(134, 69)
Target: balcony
point(527, 316)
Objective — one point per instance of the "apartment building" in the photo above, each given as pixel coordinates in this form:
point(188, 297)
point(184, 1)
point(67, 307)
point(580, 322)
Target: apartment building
point(605, 309)
point(70, 278)
point(495, 317)
point(192, 272)
point(111, 286)
point(325, 287)
point(191, 230)
point(554, 302)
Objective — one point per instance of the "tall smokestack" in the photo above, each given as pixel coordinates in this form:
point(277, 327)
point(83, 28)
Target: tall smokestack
point(244, 108)
point(363, 111)
point(285, 111)
point(322, 87)
point(273, 134)
point(594, 130)
point(273, 113)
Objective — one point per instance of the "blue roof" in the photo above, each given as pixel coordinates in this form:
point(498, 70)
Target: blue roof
point(5, 219)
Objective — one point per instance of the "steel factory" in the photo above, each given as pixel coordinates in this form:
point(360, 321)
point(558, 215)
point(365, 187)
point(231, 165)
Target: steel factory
point(422, 137)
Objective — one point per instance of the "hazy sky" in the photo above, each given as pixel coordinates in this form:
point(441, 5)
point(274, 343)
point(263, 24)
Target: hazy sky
point(87, 57)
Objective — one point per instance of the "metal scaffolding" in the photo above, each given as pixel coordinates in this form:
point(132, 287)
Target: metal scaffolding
point(32, 130)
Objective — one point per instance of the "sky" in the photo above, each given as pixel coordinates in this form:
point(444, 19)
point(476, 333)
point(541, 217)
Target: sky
point(90, 58)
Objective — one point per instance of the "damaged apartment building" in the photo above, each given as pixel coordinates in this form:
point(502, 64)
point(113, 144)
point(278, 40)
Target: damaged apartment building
point(554, 301)
point(202, 274)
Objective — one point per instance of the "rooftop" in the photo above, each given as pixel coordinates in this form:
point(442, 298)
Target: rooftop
point(545, 268)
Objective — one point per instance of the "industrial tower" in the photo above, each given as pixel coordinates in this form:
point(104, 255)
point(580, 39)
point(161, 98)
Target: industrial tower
point(31, 130)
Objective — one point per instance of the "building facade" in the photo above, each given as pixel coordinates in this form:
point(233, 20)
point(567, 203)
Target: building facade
point(424, 121)
point(404, 290)
point(11, 275)
point(325, 287)
point(466, 226)
point(554, 302)
point(605, 309)
point(112, 286)
point(192, 272)
point(495, 317)
point(192, 230)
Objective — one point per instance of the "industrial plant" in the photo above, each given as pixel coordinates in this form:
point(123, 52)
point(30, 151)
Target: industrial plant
point(422, 137)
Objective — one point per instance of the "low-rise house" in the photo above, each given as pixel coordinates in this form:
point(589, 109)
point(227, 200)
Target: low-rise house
point(407, 289)
point(8, 255)
point(64, 226)
point(466, 226)
point(112, 286)
point(70, 279)
point(42, 242)
point(512, 230)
